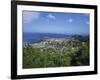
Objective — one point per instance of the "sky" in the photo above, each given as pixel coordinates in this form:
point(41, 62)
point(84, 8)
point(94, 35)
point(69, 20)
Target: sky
point(55, 22)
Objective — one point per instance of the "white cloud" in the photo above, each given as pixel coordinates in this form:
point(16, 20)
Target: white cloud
point(29, 16)
point(50, 16)
point(70, 20)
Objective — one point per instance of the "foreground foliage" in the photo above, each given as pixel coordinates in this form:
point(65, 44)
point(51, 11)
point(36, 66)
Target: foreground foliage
point(73, 52)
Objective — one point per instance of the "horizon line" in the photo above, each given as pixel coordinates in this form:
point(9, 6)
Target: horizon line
point(60, 33)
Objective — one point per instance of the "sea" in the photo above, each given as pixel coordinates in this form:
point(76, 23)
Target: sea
point(30, 38)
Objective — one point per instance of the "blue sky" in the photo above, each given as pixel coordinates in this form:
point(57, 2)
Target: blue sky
point(55, 22)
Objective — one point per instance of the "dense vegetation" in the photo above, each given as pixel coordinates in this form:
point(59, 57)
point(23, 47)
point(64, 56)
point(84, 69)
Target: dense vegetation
point(69, 52)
